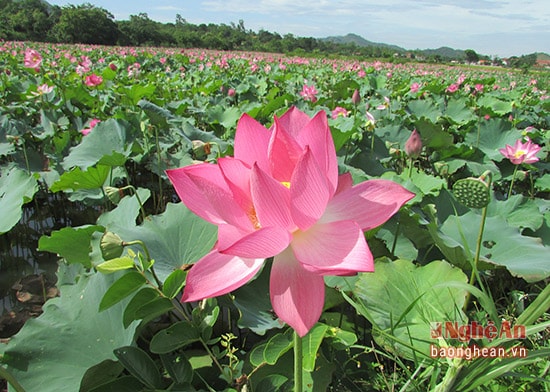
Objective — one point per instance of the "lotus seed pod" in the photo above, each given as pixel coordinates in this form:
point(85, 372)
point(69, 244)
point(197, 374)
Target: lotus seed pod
point(111, 246)
point(114, 194)
point(472, 192)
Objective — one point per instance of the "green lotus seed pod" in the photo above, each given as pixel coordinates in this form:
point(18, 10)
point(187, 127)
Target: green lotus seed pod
point(472, 192)
point(111, 246)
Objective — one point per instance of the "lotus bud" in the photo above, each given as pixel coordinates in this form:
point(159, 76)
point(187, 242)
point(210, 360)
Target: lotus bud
point(111, 246)
point(356, 98)
point(413, 146)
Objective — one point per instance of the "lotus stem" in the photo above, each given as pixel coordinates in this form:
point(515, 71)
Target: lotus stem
point(486, 175)
point(512, 183)
point(298, 363)
point(134, 190)
point(6, 375)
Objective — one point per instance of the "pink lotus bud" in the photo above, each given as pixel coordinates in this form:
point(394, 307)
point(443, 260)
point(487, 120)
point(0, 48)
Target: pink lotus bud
point(355, 98)
point(112, 66)
point(231, 92)
point(413, 146)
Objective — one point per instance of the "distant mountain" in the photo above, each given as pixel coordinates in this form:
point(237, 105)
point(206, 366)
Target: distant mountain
point(444, 52)
point(360, 41)
point(543, 56)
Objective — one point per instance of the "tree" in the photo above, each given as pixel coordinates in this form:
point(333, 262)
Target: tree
point(471, 56)
point(86, 24)
point(27, 19)
point(140, 30)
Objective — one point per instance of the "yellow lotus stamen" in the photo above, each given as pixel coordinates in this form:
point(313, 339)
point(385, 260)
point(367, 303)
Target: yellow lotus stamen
point(519, 153)
point(287, 184)
point(253, 218)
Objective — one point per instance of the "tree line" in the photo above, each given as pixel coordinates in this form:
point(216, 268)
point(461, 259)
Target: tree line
point(36, 20)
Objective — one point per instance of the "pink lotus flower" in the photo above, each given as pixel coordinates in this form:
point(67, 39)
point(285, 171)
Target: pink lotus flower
point(280, 196)
point(93, 80)
point(453, 88)
point(33, 59)
point(521, 152)
point(339, 112)
point(91, 126)
point(309, 93)
point(415, 87)
point(42, 89)
point(385, 105)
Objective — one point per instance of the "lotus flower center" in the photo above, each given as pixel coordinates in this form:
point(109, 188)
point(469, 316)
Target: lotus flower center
point(287, 184)
point(253, 218)
point(519, 153)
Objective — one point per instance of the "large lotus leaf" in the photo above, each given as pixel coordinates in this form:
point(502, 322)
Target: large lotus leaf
point(520, 212)
point(493, 135)
point(92, 178)
point(53, 351)
point(6, 147)
point(458, 111)
point(424, 108)
point(226, 116)
point(107, 144)
point(495, 105)
point(433, 135)
point(17, 187)
point(525, 257)
point(71, 243)
point(543, 183)
point(402, 300)
point(173, 238)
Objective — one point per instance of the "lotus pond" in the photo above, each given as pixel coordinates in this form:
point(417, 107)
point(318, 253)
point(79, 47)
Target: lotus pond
point(331, 225)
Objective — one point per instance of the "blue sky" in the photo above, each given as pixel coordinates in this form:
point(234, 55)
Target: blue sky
point(493, 27)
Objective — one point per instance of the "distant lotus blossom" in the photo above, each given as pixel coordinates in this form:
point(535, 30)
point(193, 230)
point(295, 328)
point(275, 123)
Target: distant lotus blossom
point(133, 70)
point(452, 88)
point(231, 92)
point(385, 105)
point(42, 89)
point(339, 112)
point(93, 80)
point(33, 59)
point(309, 93)
point(84, 65)
point(478, 88)
point(415, 87)
point(91, 126)
point(371, 121)
point(521, 152)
